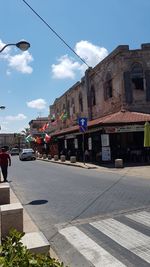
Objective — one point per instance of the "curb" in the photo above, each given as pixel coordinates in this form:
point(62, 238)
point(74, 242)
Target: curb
point(85, 166)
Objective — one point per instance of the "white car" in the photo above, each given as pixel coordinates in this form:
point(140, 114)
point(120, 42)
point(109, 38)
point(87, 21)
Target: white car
point(27, 154)
point(14, 151)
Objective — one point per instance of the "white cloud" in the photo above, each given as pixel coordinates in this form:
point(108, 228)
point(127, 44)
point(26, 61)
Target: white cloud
point(92, 54)
point(20, 62)
point(67, 66)
point(18, 117)
point(37, 104)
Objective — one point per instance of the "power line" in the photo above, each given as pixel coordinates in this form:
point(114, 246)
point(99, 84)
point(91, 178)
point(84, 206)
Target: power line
point(55, 33)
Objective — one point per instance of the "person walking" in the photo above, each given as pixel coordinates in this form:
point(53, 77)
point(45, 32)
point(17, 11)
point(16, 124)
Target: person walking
point(5, 160)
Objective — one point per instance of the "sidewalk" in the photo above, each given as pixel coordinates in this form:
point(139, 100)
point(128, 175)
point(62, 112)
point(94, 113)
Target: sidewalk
point(28, 225)
point(132, 170)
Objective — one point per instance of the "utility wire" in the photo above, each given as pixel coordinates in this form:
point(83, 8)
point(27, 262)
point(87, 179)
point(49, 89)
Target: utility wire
point(55, 33)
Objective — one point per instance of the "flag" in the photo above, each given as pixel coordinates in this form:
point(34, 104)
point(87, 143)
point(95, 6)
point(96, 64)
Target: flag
point(54, 123)
point(65, 116)
point(53, 118)
point(29, 138)
point(147, 134)
point(47, 138)
point(61, 116)
point(45, 126)
point(38, 140)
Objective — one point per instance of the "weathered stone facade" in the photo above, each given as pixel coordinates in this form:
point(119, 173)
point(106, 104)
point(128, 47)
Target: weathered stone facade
point(120, 81)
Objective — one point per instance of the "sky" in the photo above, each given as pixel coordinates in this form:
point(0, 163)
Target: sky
point(30, 81)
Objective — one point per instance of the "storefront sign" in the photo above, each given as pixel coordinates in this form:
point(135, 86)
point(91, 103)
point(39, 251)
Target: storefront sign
point(90, 143)
point(106, 153)
point(126, 128)
point(70, 136)
point(105, 139)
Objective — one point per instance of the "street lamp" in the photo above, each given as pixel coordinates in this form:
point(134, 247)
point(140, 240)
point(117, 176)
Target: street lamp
point(2, 107)
point(22, 45)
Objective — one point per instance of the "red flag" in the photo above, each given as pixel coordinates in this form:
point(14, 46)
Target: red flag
point(45, 126)
point(47, 138)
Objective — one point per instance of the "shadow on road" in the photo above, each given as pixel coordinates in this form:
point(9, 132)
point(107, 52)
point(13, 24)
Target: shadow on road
point(37, 202)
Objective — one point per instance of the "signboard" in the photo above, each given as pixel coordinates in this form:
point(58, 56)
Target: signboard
point(105, 139)
point(82, 124)
point(106, 153)
point(65, 144)
point(90, 143)
point(126, 128)
point(76, 143)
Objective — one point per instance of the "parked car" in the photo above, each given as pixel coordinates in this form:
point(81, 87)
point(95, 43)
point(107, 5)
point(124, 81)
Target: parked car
point(14, 151)
point(27, 154)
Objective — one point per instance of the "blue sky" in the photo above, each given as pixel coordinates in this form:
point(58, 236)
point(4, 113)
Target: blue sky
point(30, 81)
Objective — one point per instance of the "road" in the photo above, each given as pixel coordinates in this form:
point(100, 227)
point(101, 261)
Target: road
point(90, 217)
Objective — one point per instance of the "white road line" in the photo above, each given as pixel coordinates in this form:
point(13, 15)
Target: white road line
point(142, 217)
point(127, 237)
point(90, 249)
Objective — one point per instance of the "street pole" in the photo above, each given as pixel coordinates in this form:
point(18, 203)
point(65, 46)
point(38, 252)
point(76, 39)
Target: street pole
point(83, 140)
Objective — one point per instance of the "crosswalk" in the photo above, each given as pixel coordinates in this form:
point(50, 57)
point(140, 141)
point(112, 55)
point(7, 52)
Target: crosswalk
point(113, 242)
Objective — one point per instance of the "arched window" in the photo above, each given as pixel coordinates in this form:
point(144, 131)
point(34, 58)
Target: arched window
point(108, 88)
point(80, 102)
point(93, 99)
point(137, 76)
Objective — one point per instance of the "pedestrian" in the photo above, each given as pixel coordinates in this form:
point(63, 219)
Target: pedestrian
point(5, 160)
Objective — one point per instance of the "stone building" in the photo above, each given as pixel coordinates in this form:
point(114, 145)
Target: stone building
point(114, 96)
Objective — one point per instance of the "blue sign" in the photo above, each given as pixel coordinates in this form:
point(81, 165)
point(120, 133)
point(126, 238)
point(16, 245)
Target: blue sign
point(82, 124)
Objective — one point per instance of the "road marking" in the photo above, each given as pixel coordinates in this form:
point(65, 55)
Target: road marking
point(142, 217)
point(90, 249)
point(134, 241)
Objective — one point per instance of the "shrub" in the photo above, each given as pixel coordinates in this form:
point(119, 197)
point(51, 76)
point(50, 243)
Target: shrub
point(14, 254)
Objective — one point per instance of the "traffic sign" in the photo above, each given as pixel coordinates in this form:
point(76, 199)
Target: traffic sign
point(82, 124)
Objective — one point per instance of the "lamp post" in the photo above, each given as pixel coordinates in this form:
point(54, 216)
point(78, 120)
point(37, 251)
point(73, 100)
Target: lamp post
point(22, 45)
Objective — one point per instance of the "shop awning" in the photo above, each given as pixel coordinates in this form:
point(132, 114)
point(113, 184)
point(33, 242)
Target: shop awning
point(118, 118)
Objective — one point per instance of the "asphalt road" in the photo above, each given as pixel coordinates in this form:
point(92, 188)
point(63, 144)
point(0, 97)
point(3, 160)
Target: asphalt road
point(65, 201)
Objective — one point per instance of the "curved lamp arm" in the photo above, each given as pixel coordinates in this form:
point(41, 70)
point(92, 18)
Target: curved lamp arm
point(22, 45)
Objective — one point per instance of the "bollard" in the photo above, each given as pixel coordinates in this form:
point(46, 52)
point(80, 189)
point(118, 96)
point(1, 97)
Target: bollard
point(4, 194)
point(63, 158)
point(49, 157)
point(73, 159)
point(36, 242)
point(55, 157)
point(118, 163)
point(44, 156)
point(11, 217)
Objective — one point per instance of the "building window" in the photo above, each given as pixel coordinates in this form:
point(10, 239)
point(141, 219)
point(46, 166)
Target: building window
point(137, 76)
point(68, 107)
point(73, 105)
point(64, 107)
point(108, 88)
point(93, 99)
point(80, 102)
